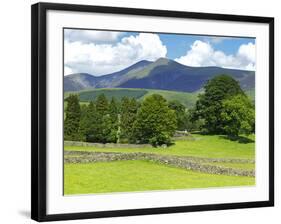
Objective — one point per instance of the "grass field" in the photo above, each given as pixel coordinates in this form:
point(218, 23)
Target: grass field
point(138, 175)
point(210, 146)
point(125, 176)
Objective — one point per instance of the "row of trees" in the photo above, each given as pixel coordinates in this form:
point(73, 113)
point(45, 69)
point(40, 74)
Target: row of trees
point(152, 121)
point(223, 108)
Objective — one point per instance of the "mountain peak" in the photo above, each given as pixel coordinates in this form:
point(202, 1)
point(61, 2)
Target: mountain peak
point(142, 63)
point(162, 61)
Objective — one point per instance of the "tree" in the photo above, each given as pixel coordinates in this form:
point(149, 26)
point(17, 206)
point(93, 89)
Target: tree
point(72, 118)
point(209, 105)
point(111, 121)
point(238, 115)
point(83, 124)
point(89, 123)
point(128, 112)
point(113, 109)
point(98, 123)
point(181, 114)
point(191, 125)
point(155, 122)
point(102, 105)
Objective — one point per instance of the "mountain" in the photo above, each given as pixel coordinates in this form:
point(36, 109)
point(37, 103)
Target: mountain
point(163, 74)
point(80, 81)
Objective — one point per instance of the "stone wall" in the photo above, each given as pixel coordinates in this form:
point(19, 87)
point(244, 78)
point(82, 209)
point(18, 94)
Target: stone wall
point(106, 145)
point(189, 163)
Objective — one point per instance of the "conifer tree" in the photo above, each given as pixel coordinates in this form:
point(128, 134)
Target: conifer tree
point(128, 114)
point(72, 118)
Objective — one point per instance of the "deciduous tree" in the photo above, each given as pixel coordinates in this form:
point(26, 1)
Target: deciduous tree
point(238, 115)
point(155, 121)
point(209, 105)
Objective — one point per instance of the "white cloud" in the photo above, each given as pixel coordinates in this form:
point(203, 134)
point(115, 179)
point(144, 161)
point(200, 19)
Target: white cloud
point(90, 36)
point(247, 51)
point(203, 54)
point(217, 39)
point(67, 70)
point(99, 59)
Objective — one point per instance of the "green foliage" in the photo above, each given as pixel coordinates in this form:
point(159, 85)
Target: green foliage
point(84, 123)
point(238, 116)
point(101, 121)
point(72, 118)
point(209, 105)
point(104, 122)
point(180, 112)
point(112, 121)
point(100, 124)
point(192, 125)
point(155, 121)
point(128, 112)
point(102, 106)
point(89, 124)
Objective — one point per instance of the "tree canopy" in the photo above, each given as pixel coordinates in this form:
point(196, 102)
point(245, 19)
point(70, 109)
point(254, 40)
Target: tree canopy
point(155, 121)
point(209, 105)
point(238, 115)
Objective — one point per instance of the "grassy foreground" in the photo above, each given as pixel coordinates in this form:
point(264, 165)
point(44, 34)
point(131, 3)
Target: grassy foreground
point(127, 176)
point(209, 146)
point(136, 175)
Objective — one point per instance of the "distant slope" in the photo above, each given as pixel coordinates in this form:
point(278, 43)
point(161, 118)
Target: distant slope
point(163, 74)
point(169, 75)
point(80, 81)
point(76, 82)
point(187, 99)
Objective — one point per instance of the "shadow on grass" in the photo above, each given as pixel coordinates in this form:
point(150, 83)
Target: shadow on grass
point(240, 139)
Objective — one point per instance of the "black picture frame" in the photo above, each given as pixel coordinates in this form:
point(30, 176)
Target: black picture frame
point(38, 109)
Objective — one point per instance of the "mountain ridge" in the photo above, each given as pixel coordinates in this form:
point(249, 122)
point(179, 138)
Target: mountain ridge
point(162, 74)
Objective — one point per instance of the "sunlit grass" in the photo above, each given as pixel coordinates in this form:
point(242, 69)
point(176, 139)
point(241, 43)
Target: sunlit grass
point(128, 176)
point(209, 146)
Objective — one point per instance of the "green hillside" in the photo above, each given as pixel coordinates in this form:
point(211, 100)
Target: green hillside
point(187, 99)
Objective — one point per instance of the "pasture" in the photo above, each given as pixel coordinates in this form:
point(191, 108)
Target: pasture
point(211, 161)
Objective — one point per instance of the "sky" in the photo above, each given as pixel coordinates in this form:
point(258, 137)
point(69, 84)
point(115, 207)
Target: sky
point(103, 52)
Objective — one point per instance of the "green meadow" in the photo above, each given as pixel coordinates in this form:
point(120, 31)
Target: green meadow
point(141, 175)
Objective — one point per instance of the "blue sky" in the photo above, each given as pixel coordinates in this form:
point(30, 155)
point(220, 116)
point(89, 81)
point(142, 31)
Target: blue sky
point(103, 52)
point(178, 44)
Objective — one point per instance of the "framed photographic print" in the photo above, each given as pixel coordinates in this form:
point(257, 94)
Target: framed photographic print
point(139, 111)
